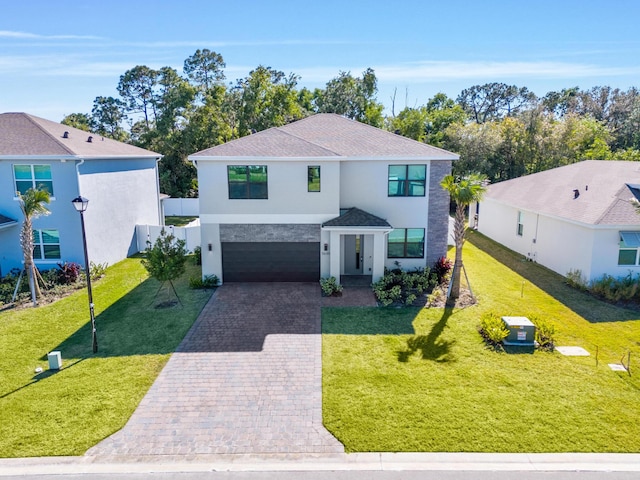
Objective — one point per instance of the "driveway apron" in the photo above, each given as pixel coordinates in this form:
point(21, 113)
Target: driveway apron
point(245, 379)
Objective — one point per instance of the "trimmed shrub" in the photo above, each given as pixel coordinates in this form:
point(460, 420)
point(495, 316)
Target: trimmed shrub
point(442, 268)
point(69, 273)
point(330, 287)
point(576, 279)
point(493, 329)
point(545, 333)
point(209, 281)
point(402, 288)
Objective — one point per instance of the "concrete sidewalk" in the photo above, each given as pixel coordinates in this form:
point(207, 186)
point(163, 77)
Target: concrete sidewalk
point(563, 462)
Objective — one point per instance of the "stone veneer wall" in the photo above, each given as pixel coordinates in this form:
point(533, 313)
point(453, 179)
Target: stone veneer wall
point(438, 223)
point(267, 232)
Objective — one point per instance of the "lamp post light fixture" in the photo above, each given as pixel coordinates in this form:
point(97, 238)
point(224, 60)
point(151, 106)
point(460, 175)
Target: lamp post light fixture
point(80, 204)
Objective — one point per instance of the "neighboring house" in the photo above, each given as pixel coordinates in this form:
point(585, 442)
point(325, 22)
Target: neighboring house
point(576, 217)
point(120, 181)
point(323, 196)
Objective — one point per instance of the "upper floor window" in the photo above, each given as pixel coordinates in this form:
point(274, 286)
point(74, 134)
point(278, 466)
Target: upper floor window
point(313, 179)
point(520, 227)
point(46, 245)
point(407, 180)
point(629, 245)
point(406, 243)
point(33, 176)
point(247, 181)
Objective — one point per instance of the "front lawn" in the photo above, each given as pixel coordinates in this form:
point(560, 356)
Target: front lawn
point(93, 396)
point(423, 380)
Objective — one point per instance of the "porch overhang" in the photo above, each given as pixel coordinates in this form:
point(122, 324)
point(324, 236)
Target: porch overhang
point(6, 222)
point(354, 221)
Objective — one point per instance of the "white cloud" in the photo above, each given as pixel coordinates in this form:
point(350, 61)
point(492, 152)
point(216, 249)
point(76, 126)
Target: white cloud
point(36, 36)
point(431, 71)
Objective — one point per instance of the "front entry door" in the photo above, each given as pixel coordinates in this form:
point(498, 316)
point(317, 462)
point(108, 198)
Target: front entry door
point(353, 255)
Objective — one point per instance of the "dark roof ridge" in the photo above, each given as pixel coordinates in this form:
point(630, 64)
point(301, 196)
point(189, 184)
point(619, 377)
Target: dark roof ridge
point(41, 128)
point(613, 204)
point(281, 130)
point(380, 129)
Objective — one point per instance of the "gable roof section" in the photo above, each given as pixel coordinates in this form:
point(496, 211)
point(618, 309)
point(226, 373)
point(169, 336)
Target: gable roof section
point(325, 135)
point(22, 134)
point(354, 217)
point(604, 192)
point(7, 222)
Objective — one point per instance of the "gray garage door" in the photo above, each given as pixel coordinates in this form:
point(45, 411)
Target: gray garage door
point(271, 262)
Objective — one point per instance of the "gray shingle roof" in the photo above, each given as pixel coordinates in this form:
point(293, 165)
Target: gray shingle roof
point(604, 196)
point(325, 135)
point(354, 217)
point(24, 134)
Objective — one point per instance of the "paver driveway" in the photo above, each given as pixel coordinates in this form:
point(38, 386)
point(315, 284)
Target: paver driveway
point(246, 379)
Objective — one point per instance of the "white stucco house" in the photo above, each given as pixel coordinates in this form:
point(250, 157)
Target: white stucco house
point(575, 217)
point(323, 196)
point(120, 181)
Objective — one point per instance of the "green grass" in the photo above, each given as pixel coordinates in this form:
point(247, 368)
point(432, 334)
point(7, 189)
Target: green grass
point(422, 379)
point(178, 221)
point(92, 396)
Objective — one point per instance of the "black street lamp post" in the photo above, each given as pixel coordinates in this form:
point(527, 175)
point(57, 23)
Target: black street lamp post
point(80, 204)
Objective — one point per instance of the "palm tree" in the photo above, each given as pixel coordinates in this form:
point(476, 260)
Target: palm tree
point(32, 204)
point(463, 192)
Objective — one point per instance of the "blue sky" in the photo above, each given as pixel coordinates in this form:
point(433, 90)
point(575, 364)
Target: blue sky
point(56, 56)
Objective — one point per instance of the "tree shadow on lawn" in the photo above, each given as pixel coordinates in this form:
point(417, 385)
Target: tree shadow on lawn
point(132, 326)
point(430, 346)
point(587, 306)
point(369, 320)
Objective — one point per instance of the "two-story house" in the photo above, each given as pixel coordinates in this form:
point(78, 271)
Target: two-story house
point(323, 196)
point(120, 181)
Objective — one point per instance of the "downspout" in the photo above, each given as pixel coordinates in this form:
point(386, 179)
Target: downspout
point(78, 174)
point(160, 209)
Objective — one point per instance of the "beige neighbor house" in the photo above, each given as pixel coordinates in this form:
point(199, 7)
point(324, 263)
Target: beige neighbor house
point(576, 217)
point(323, 196)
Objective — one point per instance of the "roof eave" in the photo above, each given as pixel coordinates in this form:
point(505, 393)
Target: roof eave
point(596, 226)
point(76, 157)
point(332, 158)
point(8, 224)
point(353, 227)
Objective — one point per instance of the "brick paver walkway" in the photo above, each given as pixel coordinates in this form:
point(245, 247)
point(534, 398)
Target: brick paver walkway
point(246, 379)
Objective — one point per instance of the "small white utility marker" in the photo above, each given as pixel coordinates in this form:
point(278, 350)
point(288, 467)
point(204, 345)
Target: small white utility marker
point(616, 367)
point(573, 351)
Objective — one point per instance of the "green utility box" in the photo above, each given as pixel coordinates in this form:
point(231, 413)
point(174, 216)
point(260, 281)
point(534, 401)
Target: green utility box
point(521, 331)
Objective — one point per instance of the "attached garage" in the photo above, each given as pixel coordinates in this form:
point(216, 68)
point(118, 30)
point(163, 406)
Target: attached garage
point(271, 261)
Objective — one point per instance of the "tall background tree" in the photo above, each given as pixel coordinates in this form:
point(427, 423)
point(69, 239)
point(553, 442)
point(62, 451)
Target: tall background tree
point(463, 191)
point(500, 130)
point(32, 205)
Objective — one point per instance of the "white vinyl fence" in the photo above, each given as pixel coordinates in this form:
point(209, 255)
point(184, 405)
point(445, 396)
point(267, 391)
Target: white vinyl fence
point(190, 234)
point(181, 207)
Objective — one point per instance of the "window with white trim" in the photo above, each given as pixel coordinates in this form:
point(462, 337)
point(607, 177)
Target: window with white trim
point(46, 244)
point(520, 228)
point(629, 246)
point(33, 176)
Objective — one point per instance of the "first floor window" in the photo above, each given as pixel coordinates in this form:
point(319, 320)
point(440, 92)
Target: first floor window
point(33, 176)
point(406, 243)
point(629, 245)
point(46, 245)
point(407, 180)
point(247, 181)
point(520, 228)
